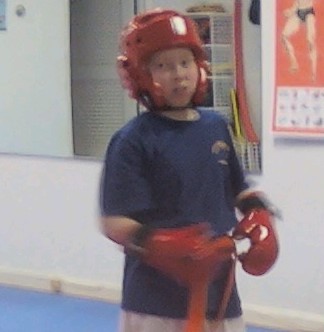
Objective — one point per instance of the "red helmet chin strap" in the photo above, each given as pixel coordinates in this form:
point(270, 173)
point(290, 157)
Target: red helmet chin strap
point(148, 33)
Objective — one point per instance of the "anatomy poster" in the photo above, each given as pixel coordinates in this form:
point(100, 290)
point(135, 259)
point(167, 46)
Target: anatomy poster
point(299, 90)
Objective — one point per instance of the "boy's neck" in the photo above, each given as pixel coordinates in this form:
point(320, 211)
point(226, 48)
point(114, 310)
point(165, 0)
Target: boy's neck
point(186, 114)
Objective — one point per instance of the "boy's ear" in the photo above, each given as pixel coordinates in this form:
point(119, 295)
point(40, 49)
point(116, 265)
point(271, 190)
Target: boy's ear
point(202, 84)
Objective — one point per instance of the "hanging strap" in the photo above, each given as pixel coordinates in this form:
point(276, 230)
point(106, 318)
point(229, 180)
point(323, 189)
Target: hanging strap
point(227, 292)
point(254, 12)
point(198, 294)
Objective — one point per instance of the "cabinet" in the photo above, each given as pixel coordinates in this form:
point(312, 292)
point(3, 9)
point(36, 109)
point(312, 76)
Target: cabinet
point(216, 32)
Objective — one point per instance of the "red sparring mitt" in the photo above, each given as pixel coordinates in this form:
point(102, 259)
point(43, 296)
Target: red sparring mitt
point(257, 226)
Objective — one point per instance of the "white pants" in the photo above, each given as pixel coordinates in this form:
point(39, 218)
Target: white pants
point(134, 322)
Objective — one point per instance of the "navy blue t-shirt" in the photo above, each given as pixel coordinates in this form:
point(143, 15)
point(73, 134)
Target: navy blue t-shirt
point(171, 173)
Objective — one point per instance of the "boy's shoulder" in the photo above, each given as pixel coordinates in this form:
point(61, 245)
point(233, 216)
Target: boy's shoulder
point(212, 115)
point(135, 126)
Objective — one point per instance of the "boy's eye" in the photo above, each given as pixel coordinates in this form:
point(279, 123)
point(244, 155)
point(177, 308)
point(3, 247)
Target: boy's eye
point(158, 65)
point(187, 62)
point(184, 63)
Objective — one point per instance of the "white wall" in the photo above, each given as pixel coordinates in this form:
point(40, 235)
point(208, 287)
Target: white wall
point(292, 177)
point(49, 224)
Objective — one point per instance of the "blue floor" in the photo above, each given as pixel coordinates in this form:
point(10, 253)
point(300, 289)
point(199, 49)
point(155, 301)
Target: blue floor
point(31, 311)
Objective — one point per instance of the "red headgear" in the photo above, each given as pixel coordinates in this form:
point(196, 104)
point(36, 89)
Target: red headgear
point(148, 33)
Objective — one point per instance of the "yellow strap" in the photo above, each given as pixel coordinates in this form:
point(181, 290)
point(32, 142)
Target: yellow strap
point(237, 126)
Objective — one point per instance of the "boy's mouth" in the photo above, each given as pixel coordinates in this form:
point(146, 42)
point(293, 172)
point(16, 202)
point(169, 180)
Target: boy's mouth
point(183, 84)
point(181, 87)
point(181, 92)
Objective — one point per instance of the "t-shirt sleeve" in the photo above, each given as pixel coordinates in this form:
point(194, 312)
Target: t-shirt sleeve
point(238, 179)
point(125, 188)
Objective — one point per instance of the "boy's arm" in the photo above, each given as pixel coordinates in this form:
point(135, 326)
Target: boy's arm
point(119, 228)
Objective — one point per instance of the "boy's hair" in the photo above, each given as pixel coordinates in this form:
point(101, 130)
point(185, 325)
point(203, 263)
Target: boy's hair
point(147, 34)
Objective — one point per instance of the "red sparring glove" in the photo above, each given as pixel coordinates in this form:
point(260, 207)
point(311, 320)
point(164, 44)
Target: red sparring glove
point(257, 226)
point(189, 255)
point(148, 241)
point(183, 253)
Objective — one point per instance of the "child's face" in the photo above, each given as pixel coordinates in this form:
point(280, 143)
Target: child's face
point(176, 73)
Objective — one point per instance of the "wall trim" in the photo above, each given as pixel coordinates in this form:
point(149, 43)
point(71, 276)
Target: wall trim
point(268, 317)
point(283, 319)
point(54, 283)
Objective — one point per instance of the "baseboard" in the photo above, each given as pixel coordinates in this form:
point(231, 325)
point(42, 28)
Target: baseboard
point(283, 319)
point(60, 284)
point(277, 318)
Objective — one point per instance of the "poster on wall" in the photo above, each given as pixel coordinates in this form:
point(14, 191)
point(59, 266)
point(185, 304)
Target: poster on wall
point(3, 14)
point(299, 76)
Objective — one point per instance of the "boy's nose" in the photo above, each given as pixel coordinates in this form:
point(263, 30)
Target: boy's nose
point(179, 70)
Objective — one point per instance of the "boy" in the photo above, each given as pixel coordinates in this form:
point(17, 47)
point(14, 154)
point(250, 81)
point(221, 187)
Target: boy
point(167, 171)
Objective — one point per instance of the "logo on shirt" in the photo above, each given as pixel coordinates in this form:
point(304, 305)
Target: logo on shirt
point(221, 149)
